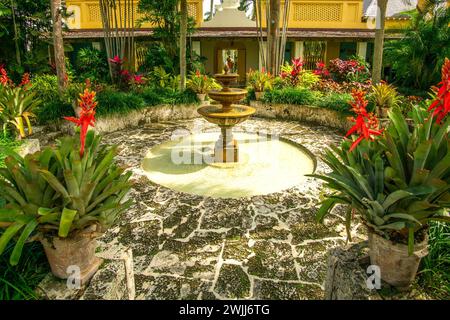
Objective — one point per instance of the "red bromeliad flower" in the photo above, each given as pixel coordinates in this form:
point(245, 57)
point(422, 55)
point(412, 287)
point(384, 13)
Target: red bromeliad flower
point(87, 104)
point(25, 79)
point(4, 79)
point(366, 123)
point(138, 79)
point(197, 73)
point(116, 60)
point(441, 106)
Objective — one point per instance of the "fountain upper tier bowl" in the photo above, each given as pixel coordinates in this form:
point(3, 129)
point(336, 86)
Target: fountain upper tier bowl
point(226, 79)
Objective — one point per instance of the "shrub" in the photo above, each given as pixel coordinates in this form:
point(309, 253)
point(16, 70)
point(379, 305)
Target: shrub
point(200, 83)
point(46, 87)
point(353, 70)
point(53, 110)
point(308, 79)
point(298, 96)
point(53, 106)
point(112, 101)
point(335, 101)
point(259, 80)
point(435, 276)
point(92, 64)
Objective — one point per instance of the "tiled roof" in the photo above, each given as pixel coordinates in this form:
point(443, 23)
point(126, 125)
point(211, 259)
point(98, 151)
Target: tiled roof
point(245, 33)
point(394, 7)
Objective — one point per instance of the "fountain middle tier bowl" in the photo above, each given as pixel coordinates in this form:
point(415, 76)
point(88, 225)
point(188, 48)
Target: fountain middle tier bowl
point(215, 114)
point(232, 96)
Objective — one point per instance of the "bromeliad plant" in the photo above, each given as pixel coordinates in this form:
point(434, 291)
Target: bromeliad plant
point(200, 83)
point(61, 191)
point(259, 80)
point(384, 96)
point(16, 104)
point(400, 181)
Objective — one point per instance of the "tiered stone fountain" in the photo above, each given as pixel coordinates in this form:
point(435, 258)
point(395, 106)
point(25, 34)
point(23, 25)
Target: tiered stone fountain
point(226, 115)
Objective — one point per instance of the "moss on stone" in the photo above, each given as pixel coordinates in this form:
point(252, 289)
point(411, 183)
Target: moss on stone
point(233, 282)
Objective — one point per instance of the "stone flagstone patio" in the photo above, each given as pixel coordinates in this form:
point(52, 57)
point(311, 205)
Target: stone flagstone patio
point(186, 246)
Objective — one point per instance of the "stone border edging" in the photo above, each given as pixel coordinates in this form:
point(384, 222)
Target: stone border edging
point(303, 113)
point(115, 122)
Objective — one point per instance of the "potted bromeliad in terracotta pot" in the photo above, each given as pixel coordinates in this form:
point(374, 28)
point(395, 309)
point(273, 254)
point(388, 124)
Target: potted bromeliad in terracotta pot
point(259, 81)
point(396, 179)
point(64, 196)
point(201, 84)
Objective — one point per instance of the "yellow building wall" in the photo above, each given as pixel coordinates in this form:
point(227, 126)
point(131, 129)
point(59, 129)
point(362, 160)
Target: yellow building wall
point(87, 14)
point(334, 14)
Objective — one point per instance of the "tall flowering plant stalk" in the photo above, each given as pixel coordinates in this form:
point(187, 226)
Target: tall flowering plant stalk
point(87, 104)
point(441, 105)
point(396, 180)
point(366, 123)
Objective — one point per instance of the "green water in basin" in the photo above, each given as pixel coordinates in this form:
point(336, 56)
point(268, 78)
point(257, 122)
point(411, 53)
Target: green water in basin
point(266, 165)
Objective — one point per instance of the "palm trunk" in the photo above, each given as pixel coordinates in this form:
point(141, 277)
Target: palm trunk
point(379, 42)
point(16, 34)
point(58, 45)
point(183, 34)
point(274, 32)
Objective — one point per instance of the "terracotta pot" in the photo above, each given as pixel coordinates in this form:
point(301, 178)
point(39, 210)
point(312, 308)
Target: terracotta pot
point(259, 95)
point(201, 96)
point(396, 266)
point(78, 250)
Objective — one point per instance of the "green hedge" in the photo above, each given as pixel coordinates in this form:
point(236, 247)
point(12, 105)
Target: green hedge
point(154, 97)
point(335, 101)
point(300, 96)
point(303, 96)
point(111, 101)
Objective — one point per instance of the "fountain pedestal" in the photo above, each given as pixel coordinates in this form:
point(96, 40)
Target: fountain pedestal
point(226, 116)
point(226, 148)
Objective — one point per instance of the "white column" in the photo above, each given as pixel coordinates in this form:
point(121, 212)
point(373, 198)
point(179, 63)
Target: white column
point(196, 47)
point(298, 49)
point(361, 49)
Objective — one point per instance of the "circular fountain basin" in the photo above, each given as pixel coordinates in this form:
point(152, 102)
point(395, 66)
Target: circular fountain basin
point(267, 165)
point(231, 96)
point(237, 114)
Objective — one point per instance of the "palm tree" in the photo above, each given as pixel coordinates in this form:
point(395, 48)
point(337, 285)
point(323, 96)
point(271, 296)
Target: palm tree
point(183, 35)
point(379, 40)
point(58, 44)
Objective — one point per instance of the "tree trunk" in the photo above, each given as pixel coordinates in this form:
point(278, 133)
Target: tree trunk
point(183, 33)
point(379, 42)
point(58, 45)
point(274, 30)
